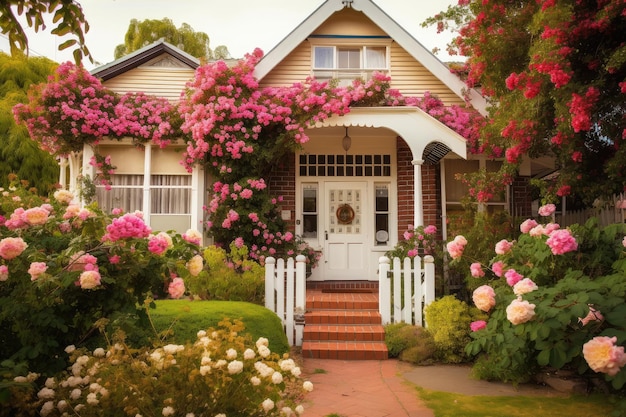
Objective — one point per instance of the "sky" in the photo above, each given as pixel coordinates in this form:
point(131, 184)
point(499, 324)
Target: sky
point(240, 25)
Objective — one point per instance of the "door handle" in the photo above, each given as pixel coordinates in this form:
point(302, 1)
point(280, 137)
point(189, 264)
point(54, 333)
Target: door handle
point(326, 234)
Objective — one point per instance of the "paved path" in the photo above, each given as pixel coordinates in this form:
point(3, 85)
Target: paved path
point(361, 389)
point(387, 388)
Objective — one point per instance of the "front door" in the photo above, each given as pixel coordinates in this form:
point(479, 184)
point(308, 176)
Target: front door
point(346, 232)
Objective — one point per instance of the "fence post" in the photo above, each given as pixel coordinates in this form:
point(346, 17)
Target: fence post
point(397, 291)
point(384, 290)
point(418, 290)
point(429, 280)
point(290, 299)
point(408, 277)
point(270, 278)
point(280, 290)
point(300, 297)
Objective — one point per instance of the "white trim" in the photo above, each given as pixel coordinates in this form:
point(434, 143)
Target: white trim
point(390, 27)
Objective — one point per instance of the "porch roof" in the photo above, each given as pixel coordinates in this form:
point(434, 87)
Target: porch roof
point(418, 129)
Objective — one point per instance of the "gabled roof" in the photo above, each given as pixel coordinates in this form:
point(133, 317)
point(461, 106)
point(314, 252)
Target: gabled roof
point(141, 56)
point(387, 24)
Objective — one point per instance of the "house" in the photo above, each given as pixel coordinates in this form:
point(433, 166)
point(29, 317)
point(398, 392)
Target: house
point(362, 178)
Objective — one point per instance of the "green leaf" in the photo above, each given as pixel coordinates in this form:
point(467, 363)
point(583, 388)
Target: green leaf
point(558, 358)
point(543, 358)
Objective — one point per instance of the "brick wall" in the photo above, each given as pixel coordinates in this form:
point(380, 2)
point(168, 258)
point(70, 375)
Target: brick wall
point(282, 182)
point(431, 191)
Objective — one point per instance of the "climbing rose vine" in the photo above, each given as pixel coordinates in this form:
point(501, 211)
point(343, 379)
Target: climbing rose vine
point(236, 129)
point(555, 72)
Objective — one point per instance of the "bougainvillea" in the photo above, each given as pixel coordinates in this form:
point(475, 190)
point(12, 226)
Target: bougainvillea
point(556, 71)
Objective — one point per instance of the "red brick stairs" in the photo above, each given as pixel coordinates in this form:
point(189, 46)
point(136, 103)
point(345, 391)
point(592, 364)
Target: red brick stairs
point(342, 322)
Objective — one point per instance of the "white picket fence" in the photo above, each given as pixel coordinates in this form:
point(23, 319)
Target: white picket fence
point(285, 294)
point(406, 289)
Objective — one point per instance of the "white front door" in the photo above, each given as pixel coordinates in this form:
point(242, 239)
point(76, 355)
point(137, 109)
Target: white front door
point(346, 234)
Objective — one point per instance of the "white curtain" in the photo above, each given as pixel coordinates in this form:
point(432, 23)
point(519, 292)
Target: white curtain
point(126, 193)
point(376, 57)
point(170, 194)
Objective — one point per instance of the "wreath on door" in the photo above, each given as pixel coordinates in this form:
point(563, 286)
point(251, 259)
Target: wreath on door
point(345, 214)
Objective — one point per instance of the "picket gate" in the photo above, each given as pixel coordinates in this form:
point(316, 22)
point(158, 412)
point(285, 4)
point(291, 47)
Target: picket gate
point(406, 289)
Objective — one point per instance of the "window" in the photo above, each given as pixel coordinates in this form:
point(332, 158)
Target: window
point(309, 211)
point(126, 193)
point(347, 63)
point(381, 211)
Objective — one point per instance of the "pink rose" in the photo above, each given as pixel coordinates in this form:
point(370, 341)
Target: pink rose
point(36, 216)
point(478, 325)
point(512, 277)
point(520, 311)
point(561, 241)
point(12, 247)
point(603, 356)
point(4, 273)
point(503, 247)
point(89, 280)
point(547, 210)
point(593, 315)
point(456, 247)
point(430, 229)
point(498, 268)
point(36, 269)
point(524, 286)
point(476, 270)
point(176, 289)
point(484, 297)
point(527, 225)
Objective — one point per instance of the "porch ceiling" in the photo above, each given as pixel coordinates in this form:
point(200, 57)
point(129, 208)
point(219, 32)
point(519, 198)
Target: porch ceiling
point(417, 128)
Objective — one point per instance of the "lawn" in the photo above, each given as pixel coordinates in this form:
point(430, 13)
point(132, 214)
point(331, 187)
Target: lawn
point(178, 321)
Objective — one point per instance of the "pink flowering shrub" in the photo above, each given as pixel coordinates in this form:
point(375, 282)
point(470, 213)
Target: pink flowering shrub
point(65, 272)
point(561, 309)
point(419, 241)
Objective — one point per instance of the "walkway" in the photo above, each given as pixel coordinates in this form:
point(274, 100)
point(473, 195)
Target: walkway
point(361, 389)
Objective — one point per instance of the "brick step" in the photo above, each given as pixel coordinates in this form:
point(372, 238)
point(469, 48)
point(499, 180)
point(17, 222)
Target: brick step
point(359, 333)
point(342, 317)
point(345, 350)
point(347, 301)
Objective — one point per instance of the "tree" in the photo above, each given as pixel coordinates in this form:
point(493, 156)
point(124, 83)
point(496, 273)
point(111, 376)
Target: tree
point(19, 154)
point(68, 17)
point(142, 33)
point(555, 72)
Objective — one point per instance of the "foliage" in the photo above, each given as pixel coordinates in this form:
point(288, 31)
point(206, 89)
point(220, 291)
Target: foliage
point(553, 70)
point(229, 276)
point(448, 322)
point(66, 271)
point(410, 343)
point(68, 17)
point(553, 301)
point(144, 32)
point(178, 321)
point(222, 373)
point(19, 154)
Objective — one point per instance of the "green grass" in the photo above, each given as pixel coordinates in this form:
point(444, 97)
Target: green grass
point(181, 320)
point(446, 404)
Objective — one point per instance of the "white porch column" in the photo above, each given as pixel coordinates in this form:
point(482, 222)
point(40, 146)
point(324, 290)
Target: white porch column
point(418, 206)
point(147, 164)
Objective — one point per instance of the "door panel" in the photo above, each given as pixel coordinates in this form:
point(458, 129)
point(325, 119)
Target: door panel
point(346, 234)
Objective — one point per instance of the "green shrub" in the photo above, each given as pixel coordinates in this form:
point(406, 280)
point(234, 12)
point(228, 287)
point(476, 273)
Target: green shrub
point(448, 322)
point(410, 343)
point(229, 276)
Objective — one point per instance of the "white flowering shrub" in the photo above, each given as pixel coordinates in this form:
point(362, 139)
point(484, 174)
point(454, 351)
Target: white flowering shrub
point(222, 373)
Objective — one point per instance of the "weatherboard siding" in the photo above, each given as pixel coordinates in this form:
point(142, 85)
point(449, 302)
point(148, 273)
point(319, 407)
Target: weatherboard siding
point(161, 82)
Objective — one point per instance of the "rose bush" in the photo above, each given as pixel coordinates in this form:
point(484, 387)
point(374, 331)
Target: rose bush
point(562, 308)
point(67, 270)
point(223, 373)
